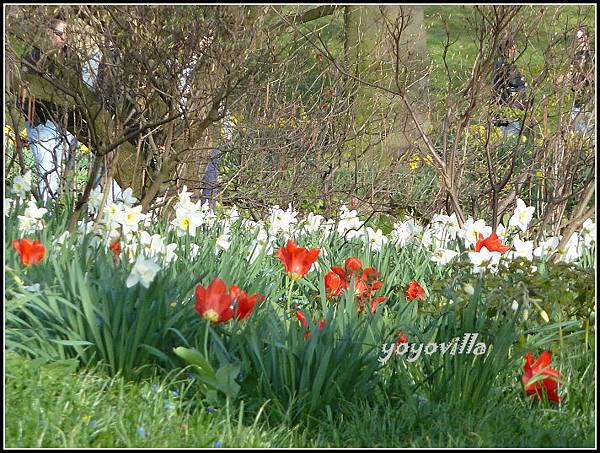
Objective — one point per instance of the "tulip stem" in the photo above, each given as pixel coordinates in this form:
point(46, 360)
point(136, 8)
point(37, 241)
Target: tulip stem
point(289, 302)
point(207, 326)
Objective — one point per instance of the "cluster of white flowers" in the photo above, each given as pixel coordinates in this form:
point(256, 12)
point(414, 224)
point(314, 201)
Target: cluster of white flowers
point(22, 185)
point(189, 216)
point(32, 219)
point(443, 238)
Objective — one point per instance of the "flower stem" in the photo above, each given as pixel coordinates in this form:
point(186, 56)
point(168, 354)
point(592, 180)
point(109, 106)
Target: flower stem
point(207, 326)
point(289, 302)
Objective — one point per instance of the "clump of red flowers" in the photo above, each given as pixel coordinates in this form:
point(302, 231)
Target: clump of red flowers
point(297, 260)
point(492, 243)
point(115, 247)
point(540, 367)
point(402, 338)
point(216, 305)
point(365, 283)
point(30, 252)
point(415, 291)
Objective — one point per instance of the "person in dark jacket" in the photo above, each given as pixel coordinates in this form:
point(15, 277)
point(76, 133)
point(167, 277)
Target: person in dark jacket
point(509, 89)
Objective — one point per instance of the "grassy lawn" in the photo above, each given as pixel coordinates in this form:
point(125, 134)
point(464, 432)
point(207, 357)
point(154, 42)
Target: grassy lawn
point(52, 406)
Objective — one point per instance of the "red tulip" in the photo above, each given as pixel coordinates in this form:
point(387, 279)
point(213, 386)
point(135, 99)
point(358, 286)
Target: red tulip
point(415, 291)
point(244, 304)
point(116, 248)
point(492, 243)
point(352, 265)
point(334, 284)
point(402, 338)
point(29, 252)
point(365, 282)
point(541, 366)
point(297, 260)
point(213, 303)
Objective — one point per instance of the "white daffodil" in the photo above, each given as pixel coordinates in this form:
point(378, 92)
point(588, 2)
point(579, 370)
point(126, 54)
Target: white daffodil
point(312, 223)
point(169, 252)
point(22, 185)
point(572, 250)
point(471, 230)
point(129, 218)
point(95, 199)
point(112, 212)
point(128, 198)
point(427, 239)
point(184, 197)
point(33, 211)
point(223, 242)
point(522, 215)
point(501, 232)
point(280, 220)
point(349, 225)
point(588, 232)
point(194, 250)
point(263, 242)
point(443, 256)
point(62, 238)
point(8, 203)
point(521, 249)
point(403, 231)
point(546, 247)
point(327, 228)
point(144, 270)
point(451, 227)
point(484, 259)
point(32, 218)
point(187, 221)
point(376, 239)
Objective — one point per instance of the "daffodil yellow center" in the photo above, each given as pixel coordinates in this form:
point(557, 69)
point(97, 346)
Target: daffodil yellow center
point(211, 315)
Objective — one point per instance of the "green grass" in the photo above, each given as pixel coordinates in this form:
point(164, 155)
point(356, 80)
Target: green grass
point(53, 406)
point(559, 22)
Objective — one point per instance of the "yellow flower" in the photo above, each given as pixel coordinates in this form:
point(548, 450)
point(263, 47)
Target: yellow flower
point(84, 149)
point(428, 159)
point(9, 133)
point(523, 139)
point(86, 418)
point(270, 125)
point(414, 161)
point(539, 174)
point(282, 123)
